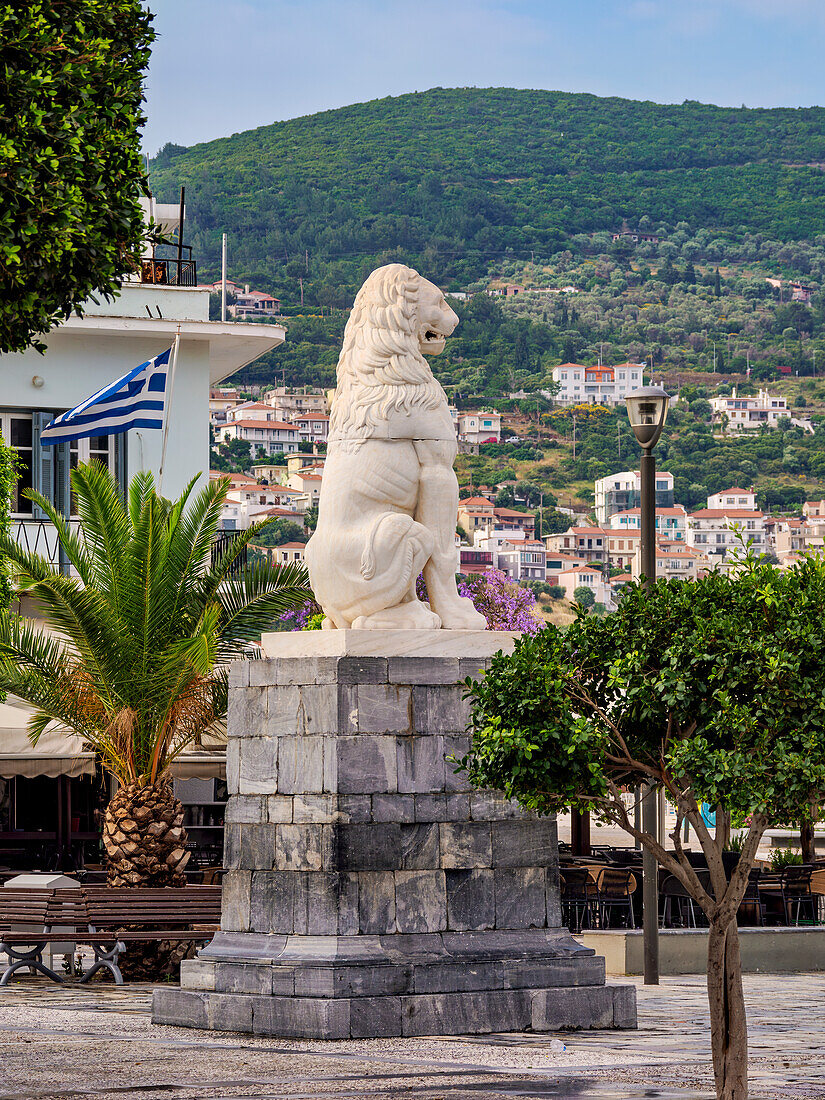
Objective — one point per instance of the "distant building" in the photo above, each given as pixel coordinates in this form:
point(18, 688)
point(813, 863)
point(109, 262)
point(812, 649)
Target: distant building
point(749, 413)
point(718, 531)
point(622, 491)
point(472, 560)
point(289, 403)
point(220, 401)
point(733, 498)
point(479, 427)
point(287, 553)
point(474, 513)
point(264, 436)
point(671, 522)
point(522, 559)
point(601, 385)
point(589, 543)
point(314, 427)
point(249, 304)
point(584, 576)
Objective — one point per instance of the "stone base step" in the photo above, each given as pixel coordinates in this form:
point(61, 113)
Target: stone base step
point(462, 1013)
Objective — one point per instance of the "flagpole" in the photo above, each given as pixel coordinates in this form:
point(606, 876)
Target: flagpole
point(167, 405)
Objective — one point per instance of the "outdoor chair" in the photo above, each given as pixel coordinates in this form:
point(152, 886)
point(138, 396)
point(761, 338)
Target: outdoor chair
point(798, 900)
point(579, 902)
point(614, 891)
point(751, 901)
point(676, 897)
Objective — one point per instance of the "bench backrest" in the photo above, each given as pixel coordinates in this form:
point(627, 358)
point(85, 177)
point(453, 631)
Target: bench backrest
point(23, 907)
point(114, 907)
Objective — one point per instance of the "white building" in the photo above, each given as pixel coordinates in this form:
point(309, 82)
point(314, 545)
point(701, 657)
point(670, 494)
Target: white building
point(289, 403)
point(733, 498)
point(479, 427)
point(622, 491)
point(584, 576)
point(748, 413)
point(83, 354)
point(522, 559)
point(249, 304)
point(268, 437)
point(718, 531)
point(600, 385)
point(670, 522)
point(314, 427)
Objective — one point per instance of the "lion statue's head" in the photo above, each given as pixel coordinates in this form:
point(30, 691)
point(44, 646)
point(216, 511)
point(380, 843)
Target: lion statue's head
point(397, 318)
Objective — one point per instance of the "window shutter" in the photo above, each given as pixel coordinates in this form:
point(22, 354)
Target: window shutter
point(121, 472)
point(42, 462)
point(62, 468)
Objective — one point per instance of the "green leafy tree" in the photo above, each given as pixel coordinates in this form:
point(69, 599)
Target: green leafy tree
point(713, 690)
point(584, 596)
point(70, 163)
point(135, 663)
point(8, 478)
point(280, 531)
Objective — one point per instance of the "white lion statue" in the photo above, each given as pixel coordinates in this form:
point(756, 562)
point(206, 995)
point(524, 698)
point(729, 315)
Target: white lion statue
point(389, 497)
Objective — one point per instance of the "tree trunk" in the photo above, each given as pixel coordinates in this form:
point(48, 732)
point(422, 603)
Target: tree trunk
point(728, 1022)
point(144, 837)
point(806, 836)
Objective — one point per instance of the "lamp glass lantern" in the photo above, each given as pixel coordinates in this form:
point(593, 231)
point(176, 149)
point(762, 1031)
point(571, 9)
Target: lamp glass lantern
point(647, 412)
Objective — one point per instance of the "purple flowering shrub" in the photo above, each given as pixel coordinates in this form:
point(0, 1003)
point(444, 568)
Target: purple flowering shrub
point(503, 603)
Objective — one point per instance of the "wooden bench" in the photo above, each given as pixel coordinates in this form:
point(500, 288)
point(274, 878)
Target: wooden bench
point(103, 918)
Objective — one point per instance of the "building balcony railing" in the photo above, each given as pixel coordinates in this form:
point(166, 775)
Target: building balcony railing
point(169, 272)
point(38, 537)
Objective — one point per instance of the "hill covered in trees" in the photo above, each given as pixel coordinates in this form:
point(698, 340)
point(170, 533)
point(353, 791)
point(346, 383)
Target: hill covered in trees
point(457, 181)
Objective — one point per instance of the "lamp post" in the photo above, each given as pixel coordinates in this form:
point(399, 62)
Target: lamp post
point(647, 412)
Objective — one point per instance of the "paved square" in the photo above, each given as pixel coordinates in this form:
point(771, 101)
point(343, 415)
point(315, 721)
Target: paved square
point(64, 1043)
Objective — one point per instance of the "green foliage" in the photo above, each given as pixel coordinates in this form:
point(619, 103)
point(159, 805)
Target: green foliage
point(9, 461)
point(584, 596)
point(71, 169)
point(135, 661)
point(780, 858)
point(279, 531)
point(716, 687)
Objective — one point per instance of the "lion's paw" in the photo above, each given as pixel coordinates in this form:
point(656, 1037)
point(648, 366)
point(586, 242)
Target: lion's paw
point(461, 615)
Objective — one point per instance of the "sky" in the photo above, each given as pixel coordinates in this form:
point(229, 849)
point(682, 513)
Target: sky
point(221, 66)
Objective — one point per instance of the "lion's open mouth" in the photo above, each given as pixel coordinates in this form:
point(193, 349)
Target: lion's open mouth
point(430, 335)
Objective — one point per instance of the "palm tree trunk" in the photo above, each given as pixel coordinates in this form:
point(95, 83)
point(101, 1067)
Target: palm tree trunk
point(144, 837)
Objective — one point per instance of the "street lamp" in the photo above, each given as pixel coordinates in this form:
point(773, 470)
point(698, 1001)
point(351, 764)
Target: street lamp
point(647, 412)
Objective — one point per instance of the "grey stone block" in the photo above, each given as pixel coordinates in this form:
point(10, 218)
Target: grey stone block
point(383, 708)
point(376, 903)
point(420, 901)
point(493, 806)
point(362, 670)
point(231, 846)
point(246, 712)
point(197, 974)
point(470, 900)
point(258, 765)
point(307, 670)
point(263, 671)
point(420, 764)
point(302, 1018)
point(373, 981)
point(283, 717)
point(553, 898)
point(393, 807)
point(319, 809)
point(366, 765)
point(332, 904)
point(347, 708)
point(278, 902)
point(466, 1013)
point(303, 848)
point(236, 900)
point(257, 847)
point(456, 747)
point(430, 807)
point(243, 977)
point(319, 709)
point(588, 1007)
point(245, 809)
point(558, 973)
point(354, 808)
point(239, 673)
point(624, 1006)
point(423, 670)
point(180, 1007)
point(474, 667)
point(331, 764)
point(279, 809)
point(524, 843)
point(375, 1017)
point(229, 1012)
point(420, 849)
point(301, 765)
point(456, 977)
point(458, 807)
point(520, 897)
point(467, 844)
point(440, 709)
point(375, 847)
point(233, 765)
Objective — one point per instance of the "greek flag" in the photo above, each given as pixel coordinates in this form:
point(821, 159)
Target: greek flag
point(134, 401)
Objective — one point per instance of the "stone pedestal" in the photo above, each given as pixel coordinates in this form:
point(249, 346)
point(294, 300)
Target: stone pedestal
point(369, 892)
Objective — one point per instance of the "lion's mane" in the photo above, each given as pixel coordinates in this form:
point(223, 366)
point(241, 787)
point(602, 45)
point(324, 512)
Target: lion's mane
point(381, 369)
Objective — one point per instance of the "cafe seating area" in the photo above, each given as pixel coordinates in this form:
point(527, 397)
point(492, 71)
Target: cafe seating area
point(604, 891)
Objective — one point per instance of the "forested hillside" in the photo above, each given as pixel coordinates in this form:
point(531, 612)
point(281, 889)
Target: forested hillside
point(454, 180)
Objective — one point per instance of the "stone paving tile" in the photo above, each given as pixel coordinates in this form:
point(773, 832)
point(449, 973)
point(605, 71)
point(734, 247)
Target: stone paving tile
point(70, 1043)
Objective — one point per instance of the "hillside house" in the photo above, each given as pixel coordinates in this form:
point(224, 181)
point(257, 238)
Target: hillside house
point(718, 531)
point(671, 522)
point(479, 427)
point(733, 498)
point(265, 437)
point(622, 491)
point(589, 543)
point(741, 414)
point(583, 576)
point(289, 403)
point(599, 385)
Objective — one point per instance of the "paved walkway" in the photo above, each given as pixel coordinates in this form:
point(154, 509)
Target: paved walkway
point(72, 1043)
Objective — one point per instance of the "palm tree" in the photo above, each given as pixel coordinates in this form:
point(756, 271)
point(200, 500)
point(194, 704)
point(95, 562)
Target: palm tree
point(135, 659)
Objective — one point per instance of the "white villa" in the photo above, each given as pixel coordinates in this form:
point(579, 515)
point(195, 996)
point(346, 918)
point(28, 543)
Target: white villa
point(749, 413)
point(601, 385)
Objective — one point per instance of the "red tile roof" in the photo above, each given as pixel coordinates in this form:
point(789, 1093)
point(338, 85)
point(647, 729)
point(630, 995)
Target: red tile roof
point(477, 502)
point(725, 513)
point(258, 424)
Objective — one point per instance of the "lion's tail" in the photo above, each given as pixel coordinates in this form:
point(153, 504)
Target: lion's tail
point(368, 556)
